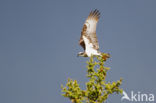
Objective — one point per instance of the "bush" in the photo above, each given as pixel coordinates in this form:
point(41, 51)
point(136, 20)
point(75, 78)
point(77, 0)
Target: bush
point(97, 88)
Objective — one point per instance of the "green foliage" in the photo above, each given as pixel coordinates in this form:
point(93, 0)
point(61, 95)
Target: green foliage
point(97, 89)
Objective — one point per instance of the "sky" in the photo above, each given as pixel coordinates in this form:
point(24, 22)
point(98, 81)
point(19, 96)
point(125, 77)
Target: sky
point(39, 46)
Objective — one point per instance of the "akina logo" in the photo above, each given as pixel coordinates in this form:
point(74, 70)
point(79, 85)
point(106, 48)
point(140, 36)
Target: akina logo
point(138, 97)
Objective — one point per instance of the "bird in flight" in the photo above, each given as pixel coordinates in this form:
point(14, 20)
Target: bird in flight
point(88, 39)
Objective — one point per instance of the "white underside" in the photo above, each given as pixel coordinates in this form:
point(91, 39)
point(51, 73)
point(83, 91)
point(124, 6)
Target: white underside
point(89, 48)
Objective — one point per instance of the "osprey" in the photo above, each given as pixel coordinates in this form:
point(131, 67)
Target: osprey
point(88, 39)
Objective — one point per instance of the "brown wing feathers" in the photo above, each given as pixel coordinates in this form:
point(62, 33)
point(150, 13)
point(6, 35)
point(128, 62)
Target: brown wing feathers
point(81, 41)
point(93, 16)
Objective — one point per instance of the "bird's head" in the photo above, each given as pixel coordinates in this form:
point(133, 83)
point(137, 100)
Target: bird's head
point(82, 54)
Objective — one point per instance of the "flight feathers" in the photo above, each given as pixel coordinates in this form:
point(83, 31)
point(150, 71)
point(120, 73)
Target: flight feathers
point(89, 30)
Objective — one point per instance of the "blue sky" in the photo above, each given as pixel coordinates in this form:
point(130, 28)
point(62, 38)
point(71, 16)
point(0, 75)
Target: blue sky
point(39, 46)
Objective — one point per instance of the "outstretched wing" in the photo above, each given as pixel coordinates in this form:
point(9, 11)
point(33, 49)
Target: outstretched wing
point(89, 29)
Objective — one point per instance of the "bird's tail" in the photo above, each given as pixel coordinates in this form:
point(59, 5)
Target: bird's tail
point(105, 56)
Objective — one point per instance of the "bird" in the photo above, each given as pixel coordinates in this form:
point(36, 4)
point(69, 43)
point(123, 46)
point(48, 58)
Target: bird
point(88, 39)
